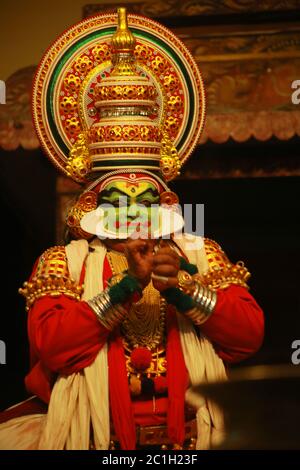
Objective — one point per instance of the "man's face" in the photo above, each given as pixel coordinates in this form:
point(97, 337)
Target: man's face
point(130, 207)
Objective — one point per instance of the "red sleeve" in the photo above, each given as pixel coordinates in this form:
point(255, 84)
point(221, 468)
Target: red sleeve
point(65, 334)
point(236, 327)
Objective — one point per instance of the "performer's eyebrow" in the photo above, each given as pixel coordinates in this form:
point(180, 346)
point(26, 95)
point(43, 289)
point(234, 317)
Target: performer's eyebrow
point(154, 192)
point(107, 192)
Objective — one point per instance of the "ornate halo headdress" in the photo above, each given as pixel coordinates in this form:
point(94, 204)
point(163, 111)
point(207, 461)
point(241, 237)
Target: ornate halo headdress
point(109, 99)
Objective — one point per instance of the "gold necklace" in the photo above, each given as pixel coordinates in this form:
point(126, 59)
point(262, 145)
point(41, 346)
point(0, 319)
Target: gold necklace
point(145, 323)
point(144, 327)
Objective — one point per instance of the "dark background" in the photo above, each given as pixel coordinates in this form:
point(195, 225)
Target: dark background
point(254, 220)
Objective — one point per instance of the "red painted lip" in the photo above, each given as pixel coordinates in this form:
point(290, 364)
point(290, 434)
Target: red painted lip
point(132, 223)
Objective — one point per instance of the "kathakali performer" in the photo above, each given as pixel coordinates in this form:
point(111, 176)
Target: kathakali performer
point(133, 312)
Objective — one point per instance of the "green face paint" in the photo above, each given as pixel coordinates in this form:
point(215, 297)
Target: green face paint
point(130, 207)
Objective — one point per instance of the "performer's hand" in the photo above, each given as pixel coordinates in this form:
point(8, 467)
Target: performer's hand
point(165, 264)
point(139, 254)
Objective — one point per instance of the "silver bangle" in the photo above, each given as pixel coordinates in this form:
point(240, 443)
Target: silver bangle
point(108, 314)
point(205, 300)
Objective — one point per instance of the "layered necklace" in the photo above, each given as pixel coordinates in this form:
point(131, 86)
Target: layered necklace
point(143, 332)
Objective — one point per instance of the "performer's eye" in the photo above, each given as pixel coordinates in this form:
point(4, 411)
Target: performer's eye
point(120, 202)
point(145, 203)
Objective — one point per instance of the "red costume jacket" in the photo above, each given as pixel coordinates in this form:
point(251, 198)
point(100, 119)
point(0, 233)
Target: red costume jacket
point(65, 336)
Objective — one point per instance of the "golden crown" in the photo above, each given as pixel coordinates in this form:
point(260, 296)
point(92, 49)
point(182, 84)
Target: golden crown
point(107, 99)
point(127, 131)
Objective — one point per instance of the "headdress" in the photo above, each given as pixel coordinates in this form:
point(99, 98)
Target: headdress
point(113, 99)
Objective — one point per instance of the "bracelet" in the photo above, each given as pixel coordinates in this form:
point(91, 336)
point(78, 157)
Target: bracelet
point(205, 300)
point(106, 305)
point(106, 313)
point(193, 299)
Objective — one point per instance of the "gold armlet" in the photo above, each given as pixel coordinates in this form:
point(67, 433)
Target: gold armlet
point(223, 277)
point(49, 285)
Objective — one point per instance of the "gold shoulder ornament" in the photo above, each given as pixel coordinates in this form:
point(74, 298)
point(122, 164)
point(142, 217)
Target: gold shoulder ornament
point(52, 278)
point(222, 273)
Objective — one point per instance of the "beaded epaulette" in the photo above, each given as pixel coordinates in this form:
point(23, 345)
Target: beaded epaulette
point(222, 273)
point(51, 277)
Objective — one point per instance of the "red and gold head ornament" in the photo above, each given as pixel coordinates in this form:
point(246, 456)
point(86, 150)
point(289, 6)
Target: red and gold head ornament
point(110, 98)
